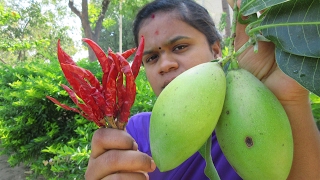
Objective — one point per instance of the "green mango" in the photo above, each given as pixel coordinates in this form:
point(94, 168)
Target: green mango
point(186, 113)
point(253, 131)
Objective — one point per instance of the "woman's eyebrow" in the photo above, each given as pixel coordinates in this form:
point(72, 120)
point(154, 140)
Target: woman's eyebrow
point(177, 38)
point(147, 52)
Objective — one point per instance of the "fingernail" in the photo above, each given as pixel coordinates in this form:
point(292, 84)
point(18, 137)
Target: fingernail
point(153, 165)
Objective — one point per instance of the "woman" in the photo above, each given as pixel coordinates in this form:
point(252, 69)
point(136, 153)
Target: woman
point(180, 34)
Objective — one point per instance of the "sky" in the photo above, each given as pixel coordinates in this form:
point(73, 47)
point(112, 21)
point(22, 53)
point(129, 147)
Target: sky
point(75, 34)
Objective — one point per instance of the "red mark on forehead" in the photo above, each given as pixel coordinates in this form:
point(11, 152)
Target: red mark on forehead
point(153, 16)
point(157, 32)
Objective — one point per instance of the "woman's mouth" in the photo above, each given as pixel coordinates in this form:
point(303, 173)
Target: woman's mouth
point(166, 82)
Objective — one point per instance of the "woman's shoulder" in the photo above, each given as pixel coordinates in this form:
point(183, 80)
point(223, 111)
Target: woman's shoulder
point(141, 115)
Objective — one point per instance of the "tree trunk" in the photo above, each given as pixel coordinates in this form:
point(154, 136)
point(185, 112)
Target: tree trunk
point(93, 34)
point(225, 8)
point(120, 27)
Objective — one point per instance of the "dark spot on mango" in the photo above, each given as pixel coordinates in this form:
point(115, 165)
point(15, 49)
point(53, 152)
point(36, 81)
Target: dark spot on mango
point(163, 114)
point(249, 141)
point(227, 112)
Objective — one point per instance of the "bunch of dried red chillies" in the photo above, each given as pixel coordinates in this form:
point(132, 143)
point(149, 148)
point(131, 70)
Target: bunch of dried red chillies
point(108, 103)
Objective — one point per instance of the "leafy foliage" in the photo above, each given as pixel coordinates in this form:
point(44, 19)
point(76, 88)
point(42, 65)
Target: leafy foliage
point(28, 32)
point(145, 97)
point(249, 7)
point(68, 160)
point(8, 16)
point(110, 33)
point(297, 44)
point(29, 122)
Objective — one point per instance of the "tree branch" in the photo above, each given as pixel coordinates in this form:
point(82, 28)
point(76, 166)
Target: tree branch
point(3, 61)
point(105, 5)
point(74, 9)
point(85, 21)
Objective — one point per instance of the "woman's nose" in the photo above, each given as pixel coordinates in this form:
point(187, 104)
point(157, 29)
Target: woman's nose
point(167, 64)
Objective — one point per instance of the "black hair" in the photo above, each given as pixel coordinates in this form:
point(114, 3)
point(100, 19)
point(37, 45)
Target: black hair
point(189, 11)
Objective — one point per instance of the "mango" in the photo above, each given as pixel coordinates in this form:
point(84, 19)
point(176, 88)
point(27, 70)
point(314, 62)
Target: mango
point(253, 131)
point(186, 113)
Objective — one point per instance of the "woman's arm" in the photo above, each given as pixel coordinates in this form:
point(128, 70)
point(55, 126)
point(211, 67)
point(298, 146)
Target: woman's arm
point(306, 159)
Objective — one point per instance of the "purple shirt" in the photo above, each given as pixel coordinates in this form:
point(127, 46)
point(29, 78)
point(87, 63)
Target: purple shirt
point(192, 168)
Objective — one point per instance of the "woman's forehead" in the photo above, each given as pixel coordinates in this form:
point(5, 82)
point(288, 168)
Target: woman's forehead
point(159, 15)
point(160, 24)
point(162, 34)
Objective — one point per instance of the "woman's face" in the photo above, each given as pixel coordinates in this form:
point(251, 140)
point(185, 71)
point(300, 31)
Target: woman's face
point(171, 47)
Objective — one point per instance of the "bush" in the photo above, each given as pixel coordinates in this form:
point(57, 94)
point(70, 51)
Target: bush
point(145, 97)
point(53, 142)
point(30, 122)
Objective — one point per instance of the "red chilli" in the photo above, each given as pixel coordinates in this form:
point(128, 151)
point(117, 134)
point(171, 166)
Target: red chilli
point(108, 103)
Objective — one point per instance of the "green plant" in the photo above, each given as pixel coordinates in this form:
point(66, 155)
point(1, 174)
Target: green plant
point(25, 114)
point(29, 122)
point(145, 97)
point(68, 160)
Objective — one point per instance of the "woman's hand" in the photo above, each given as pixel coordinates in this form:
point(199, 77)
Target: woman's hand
point(264, 67)
point(114, 155)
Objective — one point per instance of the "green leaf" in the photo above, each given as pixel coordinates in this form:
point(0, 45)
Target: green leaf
point(305, 70)
point(249, 7)
point(294, 27)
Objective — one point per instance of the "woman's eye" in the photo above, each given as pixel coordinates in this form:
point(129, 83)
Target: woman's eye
point(152, 58)
point(180, 47)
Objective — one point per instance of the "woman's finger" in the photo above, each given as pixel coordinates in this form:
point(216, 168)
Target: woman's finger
point(108, 138)
point(114, 161)
point(125, 176)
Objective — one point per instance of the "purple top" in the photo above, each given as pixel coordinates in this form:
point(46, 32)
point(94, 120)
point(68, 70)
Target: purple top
point(192, 168)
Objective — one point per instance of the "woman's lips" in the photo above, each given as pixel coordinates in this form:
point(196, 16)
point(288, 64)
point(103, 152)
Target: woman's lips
point(166, 82)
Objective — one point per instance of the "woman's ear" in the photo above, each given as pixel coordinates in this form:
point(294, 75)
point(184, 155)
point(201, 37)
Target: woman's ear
point(216, 49)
